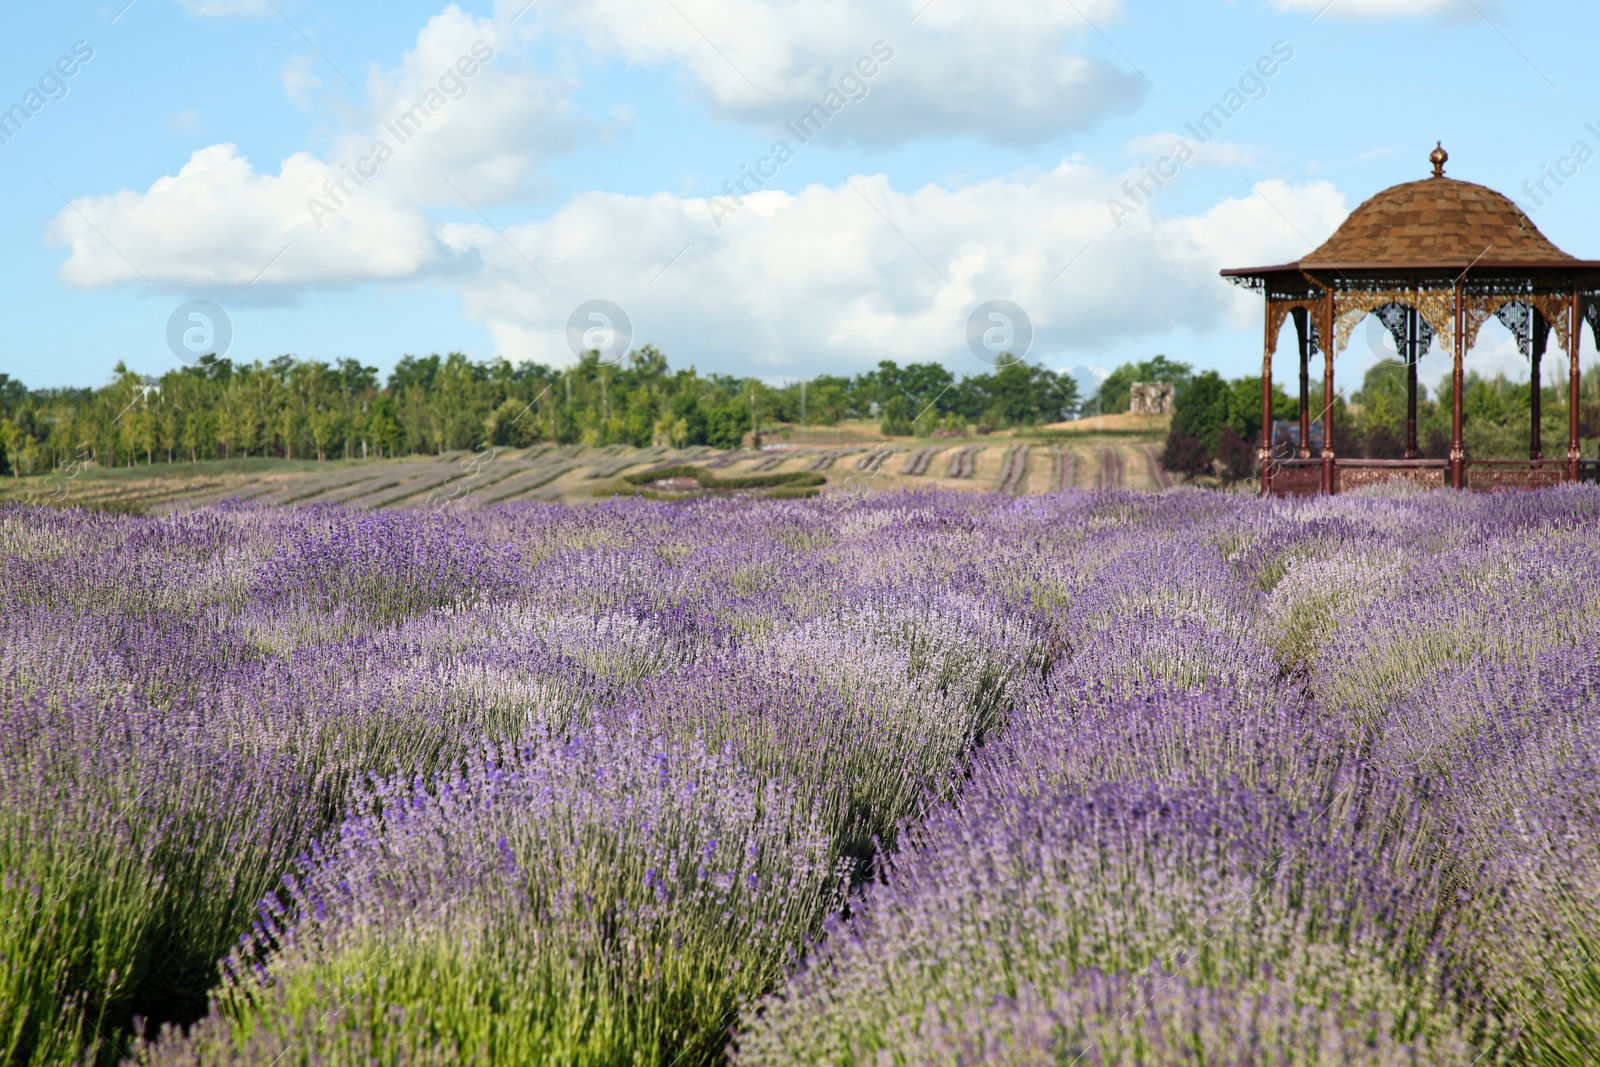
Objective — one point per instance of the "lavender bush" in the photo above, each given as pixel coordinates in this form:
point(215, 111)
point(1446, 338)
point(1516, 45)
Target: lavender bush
point(928, 778)
point(587, 900)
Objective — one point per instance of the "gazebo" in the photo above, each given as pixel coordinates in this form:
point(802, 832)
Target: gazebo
point(1430, 258)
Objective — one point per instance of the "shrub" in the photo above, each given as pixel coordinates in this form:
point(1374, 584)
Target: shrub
point(1200, 411)
point(708, 480)
point(1383, 443)
point(133, 841)
point(606, 899)
point(897, 418)
point(1236, 456)
point(1185, 455)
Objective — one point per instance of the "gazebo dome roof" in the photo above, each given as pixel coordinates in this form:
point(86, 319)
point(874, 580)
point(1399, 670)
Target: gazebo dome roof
point(1436, 222)
point(1436, 227)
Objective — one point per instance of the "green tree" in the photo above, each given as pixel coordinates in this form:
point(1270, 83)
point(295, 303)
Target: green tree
point(726, 424)
point(1382, 396)
point(1244, 407)
point(897, 417)
point(827, 400)
point(382, 426)
point(511, 425)
point(1017, 394)
point(1200, 415)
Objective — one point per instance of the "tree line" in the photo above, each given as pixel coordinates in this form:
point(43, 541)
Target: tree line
point(304, 409)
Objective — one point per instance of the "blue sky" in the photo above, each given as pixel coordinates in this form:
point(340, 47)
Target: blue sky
point(969, 154)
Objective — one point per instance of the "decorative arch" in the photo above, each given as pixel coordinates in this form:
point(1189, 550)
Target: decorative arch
point(1553, 307)
point(1435, 306)
point(1278, 313)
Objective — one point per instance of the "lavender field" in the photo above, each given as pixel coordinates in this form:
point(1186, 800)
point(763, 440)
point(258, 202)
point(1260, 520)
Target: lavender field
point(1090, 778)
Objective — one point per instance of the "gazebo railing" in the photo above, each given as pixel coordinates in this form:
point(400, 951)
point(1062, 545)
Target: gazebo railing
point(1295, 477)
point(1491, 474)
point(1354, 473)
point(1303, 477)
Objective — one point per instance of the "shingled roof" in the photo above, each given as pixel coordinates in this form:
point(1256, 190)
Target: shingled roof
point(1436, 222)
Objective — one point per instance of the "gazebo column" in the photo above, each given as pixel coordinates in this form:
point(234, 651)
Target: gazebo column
point(1574, 339)
point(1328, 343)
point(1264, 453)
point(1413, 342)
point(1458, 455)
point(1302, 329)
point(1535, 380)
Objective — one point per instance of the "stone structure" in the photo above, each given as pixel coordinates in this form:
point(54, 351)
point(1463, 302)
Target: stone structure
point(1150, 398)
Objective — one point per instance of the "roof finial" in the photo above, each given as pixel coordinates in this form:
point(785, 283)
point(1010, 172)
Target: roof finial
point(1438, 157)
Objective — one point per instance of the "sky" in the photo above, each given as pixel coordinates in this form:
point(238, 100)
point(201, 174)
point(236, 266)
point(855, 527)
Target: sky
point(771, 188)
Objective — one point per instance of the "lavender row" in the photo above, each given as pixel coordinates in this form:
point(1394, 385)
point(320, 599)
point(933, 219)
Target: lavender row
point(1127, 777)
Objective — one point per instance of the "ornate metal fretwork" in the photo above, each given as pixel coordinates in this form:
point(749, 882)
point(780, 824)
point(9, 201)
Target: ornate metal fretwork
point(1533, 476)
point(1435, 306)
point(1278, 313)
point(1301, 479)
point(1518, 318)
point(1553, 306)
point(1591, 312)
point(1393, 317)
point(1354, 477)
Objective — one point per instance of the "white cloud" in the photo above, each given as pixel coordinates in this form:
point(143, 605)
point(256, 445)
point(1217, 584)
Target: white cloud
point(494, 129)
point(219, 223)
point(819, 281)
point(794, 283)
point(1002, 72)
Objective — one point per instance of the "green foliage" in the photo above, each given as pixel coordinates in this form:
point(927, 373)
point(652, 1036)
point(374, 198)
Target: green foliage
point(1202, 410)
point(764, 481)
point(827, 401)
point(1382, 396)
point(434, 404)
point(793, 492)
point(1496, 418)
point(909, 389)
point(289, 409)
point(509, 427)
point(1244, 407)
point(1017, 394)
point(897, 418)
point(708, 480)
point(1218, 420)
